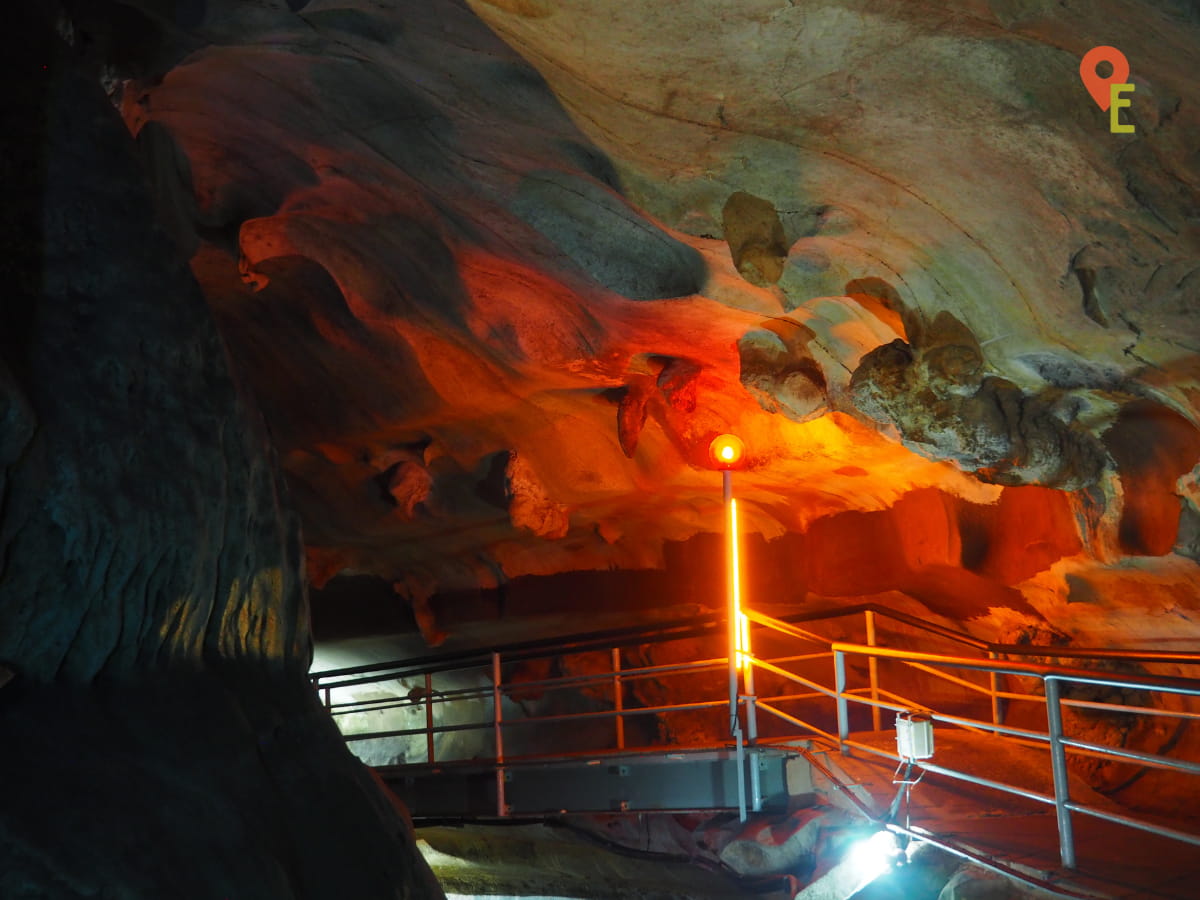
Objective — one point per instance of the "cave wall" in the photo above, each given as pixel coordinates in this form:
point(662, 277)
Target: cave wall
point(496, 273)
point(158, 734)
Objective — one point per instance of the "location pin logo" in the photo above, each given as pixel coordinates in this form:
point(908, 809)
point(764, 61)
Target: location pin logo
point(1106, 91)
point(1099, 87)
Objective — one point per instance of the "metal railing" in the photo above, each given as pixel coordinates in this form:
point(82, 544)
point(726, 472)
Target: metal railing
point(1054, 738)
point(794, 706)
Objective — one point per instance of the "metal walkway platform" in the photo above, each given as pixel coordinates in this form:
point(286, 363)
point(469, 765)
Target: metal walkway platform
point(648, 781)
point(488, 743)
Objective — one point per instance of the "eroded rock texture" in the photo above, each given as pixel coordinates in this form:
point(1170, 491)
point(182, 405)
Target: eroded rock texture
point(591, 239)
point(938, 395)
point(498, 272)
point(159, 736)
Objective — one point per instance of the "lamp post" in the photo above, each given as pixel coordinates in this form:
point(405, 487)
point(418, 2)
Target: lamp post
point(726, 452)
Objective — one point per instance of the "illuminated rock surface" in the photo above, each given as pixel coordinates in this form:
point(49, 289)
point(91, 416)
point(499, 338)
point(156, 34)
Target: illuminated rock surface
point(498, 274)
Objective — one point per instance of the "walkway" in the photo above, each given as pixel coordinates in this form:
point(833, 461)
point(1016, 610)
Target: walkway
point(493, 745)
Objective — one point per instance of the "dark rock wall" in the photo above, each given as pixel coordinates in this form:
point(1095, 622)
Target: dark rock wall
point(142, 523)
point(159, 738)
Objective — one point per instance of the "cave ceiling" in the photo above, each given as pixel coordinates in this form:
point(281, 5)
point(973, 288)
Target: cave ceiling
point(497, 272)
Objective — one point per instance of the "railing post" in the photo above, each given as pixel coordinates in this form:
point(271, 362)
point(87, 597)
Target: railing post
point(329, 699)
point(497, 720)
point(756, 798)
point(752, 733)
point(741, 776)
point(873, 669)
point(1058, 763)
point(997, 703)
point(839, 686)
point(618, 701)
point(429, 718)
point(751, 703)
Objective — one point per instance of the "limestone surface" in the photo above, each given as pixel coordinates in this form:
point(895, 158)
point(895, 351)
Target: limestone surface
point(894, 246)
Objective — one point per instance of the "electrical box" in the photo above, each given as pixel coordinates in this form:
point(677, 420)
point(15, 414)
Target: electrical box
point(914, 735)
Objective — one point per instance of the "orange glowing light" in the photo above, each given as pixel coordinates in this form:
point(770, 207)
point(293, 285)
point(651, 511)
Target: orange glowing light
point(743, 637)
point(726, 451)
point(740, 623)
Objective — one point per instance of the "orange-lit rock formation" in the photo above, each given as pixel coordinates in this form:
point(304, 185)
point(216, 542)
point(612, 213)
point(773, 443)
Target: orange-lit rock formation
point(497, 273)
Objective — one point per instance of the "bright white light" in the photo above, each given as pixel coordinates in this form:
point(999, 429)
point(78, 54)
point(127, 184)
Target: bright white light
point(873, 856)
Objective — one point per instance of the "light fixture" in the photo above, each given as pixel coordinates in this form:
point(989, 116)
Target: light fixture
point(874, 856)
point(914, 735)
point(914, 741)
point(726, 451)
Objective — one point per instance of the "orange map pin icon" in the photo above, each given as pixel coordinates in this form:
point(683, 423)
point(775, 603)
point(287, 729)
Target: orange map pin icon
point(1099, 87)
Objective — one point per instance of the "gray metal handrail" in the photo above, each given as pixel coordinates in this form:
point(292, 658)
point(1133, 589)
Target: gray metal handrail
point(1055, 739)
point(874, 695)
point(710, 624)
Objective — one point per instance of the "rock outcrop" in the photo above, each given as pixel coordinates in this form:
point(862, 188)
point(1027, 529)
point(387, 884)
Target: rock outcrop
point(937, 393)
point(160, 738)
point(452, 233)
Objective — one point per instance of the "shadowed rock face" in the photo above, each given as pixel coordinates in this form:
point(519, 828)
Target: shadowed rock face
point(153, 620)
point(498, 272)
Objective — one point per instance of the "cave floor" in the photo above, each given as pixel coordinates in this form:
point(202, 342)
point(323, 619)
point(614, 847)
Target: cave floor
point(1112, 861)
point(536, 860)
